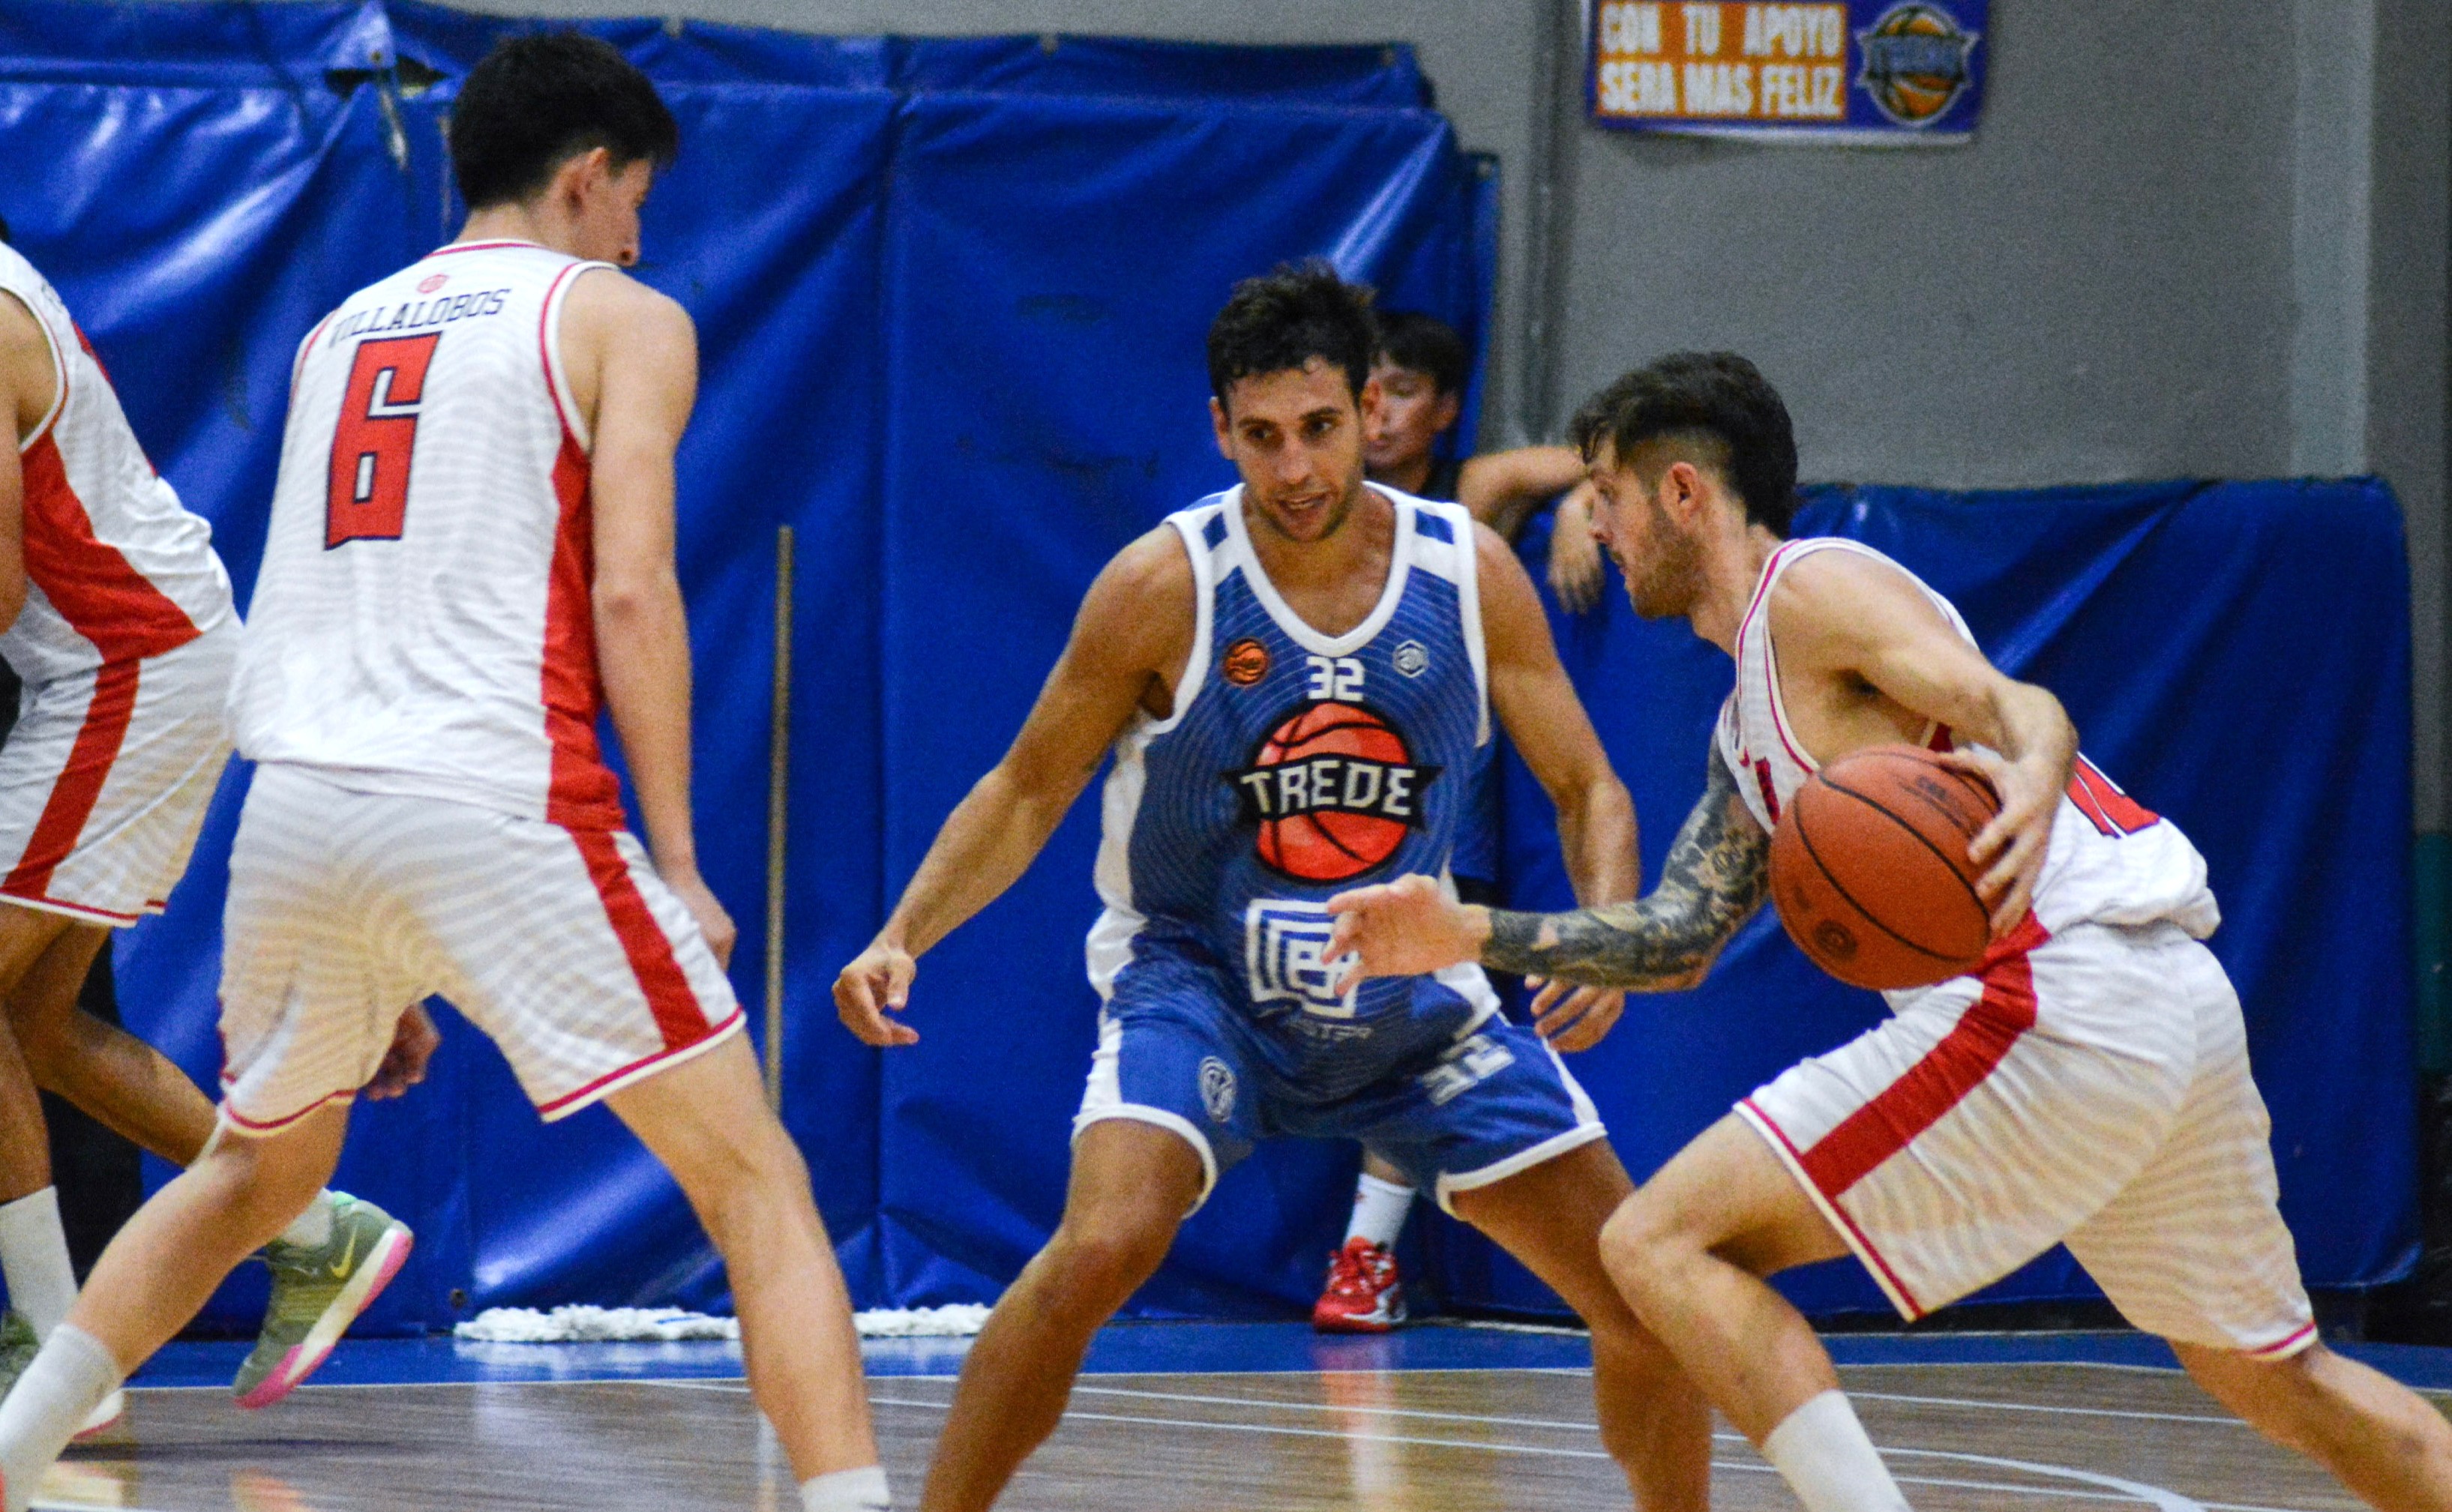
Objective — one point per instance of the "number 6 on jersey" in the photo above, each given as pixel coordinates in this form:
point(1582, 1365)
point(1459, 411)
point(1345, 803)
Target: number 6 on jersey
point(368, 494)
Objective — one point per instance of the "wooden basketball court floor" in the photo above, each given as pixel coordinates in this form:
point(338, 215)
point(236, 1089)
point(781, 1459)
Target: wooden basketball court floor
point(1174, 1416)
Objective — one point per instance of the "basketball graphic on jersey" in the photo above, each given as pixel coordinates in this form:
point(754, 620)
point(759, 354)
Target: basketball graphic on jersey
point(1331, 793)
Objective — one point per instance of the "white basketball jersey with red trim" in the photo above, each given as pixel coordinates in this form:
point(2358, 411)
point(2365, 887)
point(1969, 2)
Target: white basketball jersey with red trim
point(2111, 861)
point(421, 623)
point(116, 568)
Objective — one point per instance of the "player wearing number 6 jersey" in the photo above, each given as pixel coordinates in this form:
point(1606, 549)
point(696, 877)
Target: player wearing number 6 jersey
point(2088, 1085)
point(470, 551)
point(1292, 678)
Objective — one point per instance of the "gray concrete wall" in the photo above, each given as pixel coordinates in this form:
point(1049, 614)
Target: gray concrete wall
point(2098, 288)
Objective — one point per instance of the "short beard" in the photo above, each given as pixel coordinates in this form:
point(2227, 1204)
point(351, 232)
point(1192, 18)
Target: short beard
point(1666, 587)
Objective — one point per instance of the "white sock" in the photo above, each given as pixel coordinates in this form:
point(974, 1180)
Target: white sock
point(1379, 1210)
point(51, 1401)
point(846, 1491)
point(312, 1229)
point(34, 1261)
point(1821, 1451)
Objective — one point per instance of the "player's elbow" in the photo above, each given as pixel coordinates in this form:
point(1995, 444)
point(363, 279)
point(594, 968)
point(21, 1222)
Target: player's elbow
point(12, 601)
point(2033, 717)
point(629, 604)
point(1034, 794)
point(1596, 802)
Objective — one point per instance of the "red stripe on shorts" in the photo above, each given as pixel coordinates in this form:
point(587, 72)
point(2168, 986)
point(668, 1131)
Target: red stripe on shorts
point(79, 786)
point(1970, 1052)
point(667, 988)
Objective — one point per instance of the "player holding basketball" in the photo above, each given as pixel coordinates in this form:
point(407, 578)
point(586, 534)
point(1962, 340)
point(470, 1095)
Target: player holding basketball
point(1291, 675)
point(118, 622)
point(471, 546)
point(2090, 1085)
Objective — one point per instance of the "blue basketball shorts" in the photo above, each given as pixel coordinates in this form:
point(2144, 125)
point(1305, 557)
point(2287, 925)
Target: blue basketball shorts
point(1462, 1111)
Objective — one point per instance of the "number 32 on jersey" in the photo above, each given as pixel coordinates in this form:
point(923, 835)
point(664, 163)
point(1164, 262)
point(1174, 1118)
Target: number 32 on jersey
point(1337, 680)
point(367, 497)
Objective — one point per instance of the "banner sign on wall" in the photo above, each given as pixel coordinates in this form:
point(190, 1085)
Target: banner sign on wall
point(1852, 72)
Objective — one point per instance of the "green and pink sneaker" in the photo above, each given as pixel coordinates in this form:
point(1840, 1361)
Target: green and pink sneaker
point(318, 1290)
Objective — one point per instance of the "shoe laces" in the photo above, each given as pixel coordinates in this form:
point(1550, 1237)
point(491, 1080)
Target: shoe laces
point(1360, 1271)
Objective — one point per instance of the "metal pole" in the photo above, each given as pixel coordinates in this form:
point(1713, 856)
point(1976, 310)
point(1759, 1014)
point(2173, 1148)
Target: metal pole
point(779, 761)
point(1556, 116)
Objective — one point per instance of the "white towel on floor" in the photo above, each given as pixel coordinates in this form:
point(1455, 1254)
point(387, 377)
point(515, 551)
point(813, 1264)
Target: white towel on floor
point(579, 1324)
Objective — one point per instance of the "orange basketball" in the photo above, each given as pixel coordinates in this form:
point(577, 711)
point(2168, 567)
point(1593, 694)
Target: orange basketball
point(1327, 845)
point(1869, 871)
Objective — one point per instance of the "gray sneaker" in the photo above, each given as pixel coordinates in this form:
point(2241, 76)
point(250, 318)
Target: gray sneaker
point(18, 1347)
point(317, 1292)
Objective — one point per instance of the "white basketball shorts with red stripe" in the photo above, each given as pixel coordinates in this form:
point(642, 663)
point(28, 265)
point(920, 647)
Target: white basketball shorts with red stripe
point(2090, 1087)
point(106, 776)
point(345, 908)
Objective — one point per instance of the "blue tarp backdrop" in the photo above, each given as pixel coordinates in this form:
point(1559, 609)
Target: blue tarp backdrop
point(949, 297)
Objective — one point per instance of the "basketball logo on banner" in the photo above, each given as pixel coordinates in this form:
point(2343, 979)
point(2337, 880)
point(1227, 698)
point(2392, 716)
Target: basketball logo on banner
point(1915, 62)
point(1854, 72)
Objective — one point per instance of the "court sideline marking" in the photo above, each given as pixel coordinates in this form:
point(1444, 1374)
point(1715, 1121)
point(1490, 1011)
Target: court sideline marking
point(1543, 1422)
point(2128, 1491)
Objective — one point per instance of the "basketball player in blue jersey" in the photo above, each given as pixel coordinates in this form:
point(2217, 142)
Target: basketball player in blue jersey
point(1292, 676)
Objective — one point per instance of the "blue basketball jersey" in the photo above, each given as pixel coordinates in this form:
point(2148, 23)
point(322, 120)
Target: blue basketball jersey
point(1296, 765)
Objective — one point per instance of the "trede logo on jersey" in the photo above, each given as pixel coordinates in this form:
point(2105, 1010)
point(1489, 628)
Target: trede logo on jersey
point(1332, 788)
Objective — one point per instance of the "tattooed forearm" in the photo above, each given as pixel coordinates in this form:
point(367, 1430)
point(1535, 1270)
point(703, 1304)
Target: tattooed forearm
point(1716, 874)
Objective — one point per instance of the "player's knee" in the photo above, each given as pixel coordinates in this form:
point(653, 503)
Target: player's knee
point(2336, 1409)
point(1634, 1244)
point(742, 1178)
point(2284, 1399)
point(1099, 1260)
point(263, 1185)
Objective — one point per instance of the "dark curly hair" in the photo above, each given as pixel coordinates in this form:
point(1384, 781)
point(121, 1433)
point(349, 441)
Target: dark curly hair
point(1425, 343)
point(537, 101)
point(1286, 319)
point(1715, 400)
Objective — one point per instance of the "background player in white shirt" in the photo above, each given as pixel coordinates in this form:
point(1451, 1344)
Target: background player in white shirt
point(1421, 370)
point(115, 613)
point(471, 550)
point(2090, 1084)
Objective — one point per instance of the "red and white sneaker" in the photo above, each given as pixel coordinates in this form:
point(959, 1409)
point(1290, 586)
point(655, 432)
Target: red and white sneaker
point(1364, 1295)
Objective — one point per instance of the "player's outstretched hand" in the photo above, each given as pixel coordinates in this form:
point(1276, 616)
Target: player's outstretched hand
point(413, 1042)
point(1573, 1017)
point(2011, 847)
point(1403, 928)
point(713, 922)
point(877, 982)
